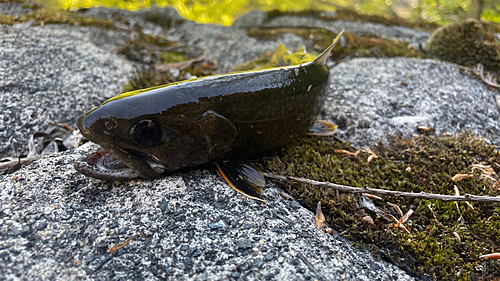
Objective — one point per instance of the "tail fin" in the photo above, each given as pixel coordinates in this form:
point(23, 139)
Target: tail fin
point(321, 59)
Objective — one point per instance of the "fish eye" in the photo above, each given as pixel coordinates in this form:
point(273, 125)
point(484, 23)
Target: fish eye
point(146, 134)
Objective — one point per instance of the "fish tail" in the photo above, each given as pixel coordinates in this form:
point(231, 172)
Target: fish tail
point(321, 59)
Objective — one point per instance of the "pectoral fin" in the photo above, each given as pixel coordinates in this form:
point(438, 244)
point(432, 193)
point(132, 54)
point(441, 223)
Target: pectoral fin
point(243, 178)
point(219, 132)
point(321, 128)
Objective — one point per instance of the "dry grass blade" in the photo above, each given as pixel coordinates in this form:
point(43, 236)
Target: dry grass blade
point(400, 223)
point(372, 155)
point(485, 169)
point(347, 153)
point(493, 256)
point(320, 218)
point(457, 193)
point(122, 244)
point(489, 79)
point(459, 177)
point(406, 216)
point(371, 196)
point(432, 212)
point(461, 218)
point(396, 207)
point(494, 182)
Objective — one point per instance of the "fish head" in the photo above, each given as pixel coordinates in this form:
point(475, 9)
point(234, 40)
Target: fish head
point(129, 144)
point(140, 141)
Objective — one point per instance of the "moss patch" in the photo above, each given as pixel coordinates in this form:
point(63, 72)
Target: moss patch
point(352, 15)
point(445, 242)
point(42, 16)
point(280, 57)
point(168, 57)
point(371, 46)
point(466, 43)
point(493, 27)
point(147, 48)
point(357, 46)
point(147, 78)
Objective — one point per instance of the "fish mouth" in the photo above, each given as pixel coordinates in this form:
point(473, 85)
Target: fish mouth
point(103, 165)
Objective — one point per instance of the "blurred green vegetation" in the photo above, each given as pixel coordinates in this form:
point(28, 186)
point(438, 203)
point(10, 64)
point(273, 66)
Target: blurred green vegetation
point(224, 12)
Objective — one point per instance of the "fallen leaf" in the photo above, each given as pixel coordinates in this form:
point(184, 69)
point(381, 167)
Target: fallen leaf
point(367, 221)
point(425, 129)
point(320, 219)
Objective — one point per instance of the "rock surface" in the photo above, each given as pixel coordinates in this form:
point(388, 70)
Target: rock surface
point(56, 223)
point(373, 97)
point(53, 74)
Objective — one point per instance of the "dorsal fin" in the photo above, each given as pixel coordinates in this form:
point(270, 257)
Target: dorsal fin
point(321, 59)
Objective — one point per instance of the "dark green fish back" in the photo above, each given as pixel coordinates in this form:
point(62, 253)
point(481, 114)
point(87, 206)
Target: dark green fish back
point(201, 120)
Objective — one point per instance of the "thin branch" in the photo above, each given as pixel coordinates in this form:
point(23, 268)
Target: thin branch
point(351, 189)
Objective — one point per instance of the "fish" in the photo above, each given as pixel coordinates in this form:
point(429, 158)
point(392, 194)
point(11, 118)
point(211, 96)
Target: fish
point(155, 131)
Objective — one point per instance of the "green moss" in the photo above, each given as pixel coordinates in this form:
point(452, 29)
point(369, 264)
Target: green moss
point(352, 15)
point(359, 46)
point(147, 48)
point(322, 38)
point(168, 57)
point(421, 163)
point(466, 43)
point(147, 78)
point(150, 77)
point(157, 52)
point(42, 16)
point(493, 27)
point(280, 57)
point(374, 46)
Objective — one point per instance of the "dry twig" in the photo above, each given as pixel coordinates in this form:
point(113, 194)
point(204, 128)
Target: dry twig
point(351, 189)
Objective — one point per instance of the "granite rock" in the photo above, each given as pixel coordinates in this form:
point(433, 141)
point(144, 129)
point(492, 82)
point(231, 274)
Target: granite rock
point(58, 224)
